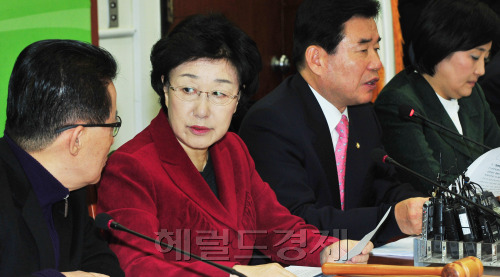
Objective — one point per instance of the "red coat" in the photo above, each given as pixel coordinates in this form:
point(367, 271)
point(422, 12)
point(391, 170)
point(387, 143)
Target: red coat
point(151, 186)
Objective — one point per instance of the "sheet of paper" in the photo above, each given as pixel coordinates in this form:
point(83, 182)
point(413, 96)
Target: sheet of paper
point(356, 250)
point(307, 271)
point(485, 171)
point(400, 248)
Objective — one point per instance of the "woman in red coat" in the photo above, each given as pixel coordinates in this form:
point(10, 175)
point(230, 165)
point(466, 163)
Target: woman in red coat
point(188, 182)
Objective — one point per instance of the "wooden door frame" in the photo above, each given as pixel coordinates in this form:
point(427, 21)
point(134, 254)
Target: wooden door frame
point(94, 23)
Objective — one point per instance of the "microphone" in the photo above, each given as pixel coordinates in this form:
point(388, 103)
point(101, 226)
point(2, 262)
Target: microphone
point(379, 155)
point(406, 111)
point(106, 222)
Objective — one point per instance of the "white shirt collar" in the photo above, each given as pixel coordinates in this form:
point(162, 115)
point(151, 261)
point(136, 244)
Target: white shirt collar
point(332, 115)
point(451, 106)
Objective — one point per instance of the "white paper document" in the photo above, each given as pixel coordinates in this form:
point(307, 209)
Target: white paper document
point(306, 271)
point(485, 171)
point(356, 250)
point(401, 248)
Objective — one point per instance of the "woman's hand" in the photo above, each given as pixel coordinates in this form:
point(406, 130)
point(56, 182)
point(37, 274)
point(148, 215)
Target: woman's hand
point(272, 269)
point(334, 252)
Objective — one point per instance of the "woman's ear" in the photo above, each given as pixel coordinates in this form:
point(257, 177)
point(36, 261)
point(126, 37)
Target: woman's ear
point(76, 142)
point(165, 89)
point(238, 98)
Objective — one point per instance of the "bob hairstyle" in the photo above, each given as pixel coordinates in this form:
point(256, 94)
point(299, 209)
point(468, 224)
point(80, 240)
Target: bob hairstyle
point(447, 26)
point(209, 36)
point(321, 22)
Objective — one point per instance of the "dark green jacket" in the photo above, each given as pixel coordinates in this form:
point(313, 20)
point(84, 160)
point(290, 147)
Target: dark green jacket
point(423, 147)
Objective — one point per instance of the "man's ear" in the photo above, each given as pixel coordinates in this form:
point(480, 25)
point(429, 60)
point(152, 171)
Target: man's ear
point(76, 142)
point(314, 58)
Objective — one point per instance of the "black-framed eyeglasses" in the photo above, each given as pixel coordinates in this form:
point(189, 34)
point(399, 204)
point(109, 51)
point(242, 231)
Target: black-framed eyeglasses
point(116, 126)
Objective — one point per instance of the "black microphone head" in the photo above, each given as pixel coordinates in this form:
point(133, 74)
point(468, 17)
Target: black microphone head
point(406, 111)
point(102, 221)
point(378, 155)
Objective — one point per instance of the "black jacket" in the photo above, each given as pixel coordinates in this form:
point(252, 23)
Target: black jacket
point(288, 136)
point(25, 243)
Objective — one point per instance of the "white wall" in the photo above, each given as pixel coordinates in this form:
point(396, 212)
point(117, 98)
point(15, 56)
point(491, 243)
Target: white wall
point(384, 25)
point(130, 44)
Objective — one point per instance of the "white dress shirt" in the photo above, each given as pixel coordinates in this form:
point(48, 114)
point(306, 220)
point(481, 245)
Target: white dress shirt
point(332, 114)
point(451, 106)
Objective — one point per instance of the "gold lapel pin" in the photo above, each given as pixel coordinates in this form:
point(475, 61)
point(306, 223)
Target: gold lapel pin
point(357, 145)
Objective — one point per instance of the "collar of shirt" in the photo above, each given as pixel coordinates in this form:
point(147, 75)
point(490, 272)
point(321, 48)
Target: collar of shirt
point(332, 115)
point(47, 188)
point(451, 106)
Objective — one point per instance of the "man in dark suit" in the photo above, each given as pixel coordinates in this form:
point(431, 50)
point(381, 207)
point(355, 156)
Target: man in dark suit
point(61, 113)
point(293, 136)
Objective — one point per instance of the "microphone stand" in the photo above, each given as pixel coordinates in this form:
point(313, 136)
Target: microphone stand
point(407, 111)
point(117, 226)
point(451, 131)
point(387, 159)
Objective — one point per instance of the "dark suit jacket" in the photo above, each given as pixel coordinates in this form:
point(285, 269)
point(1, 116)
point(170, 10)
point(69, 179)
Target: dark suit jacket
point(287, 135)
point(421, 147)
point(25, 243)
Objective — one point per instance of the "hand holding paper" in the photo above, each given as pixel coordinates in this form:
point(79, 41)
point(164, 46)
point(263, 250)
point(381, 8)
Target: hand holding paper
point(345, 250)
point(334, 252)
point(358, 251)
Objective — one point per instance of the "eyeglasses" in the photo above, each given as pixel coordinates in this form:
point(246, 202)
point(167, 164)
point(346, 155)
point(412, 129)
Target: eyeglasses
point(217, 97)
point(116, 126)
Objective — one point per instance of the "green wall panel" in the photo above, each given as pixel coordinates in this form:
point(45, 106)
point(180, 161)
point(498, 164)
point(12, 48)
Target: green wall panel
point(25, 21)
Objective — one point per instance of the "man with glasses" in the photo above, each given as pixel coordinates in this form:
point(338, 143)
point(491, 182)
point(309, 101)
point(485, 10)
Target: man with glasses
point(115, 125)
point(61, 123)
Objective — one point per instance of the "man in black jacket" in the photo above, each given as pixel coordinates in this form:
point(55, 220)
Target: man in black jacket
point(292, 133)
point(61, 120)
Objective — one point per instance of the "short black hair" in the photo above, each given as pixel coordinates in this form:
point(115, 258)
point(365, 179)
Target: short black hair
point(210, 36)
point(322, 22)
point(447, 26)
point(54, 83)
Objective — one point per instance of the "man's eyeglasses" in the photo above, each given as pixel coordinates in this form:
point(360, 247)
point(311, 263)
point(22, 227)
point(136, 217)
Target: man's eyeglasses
point(116, 126)
point(217, 97)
